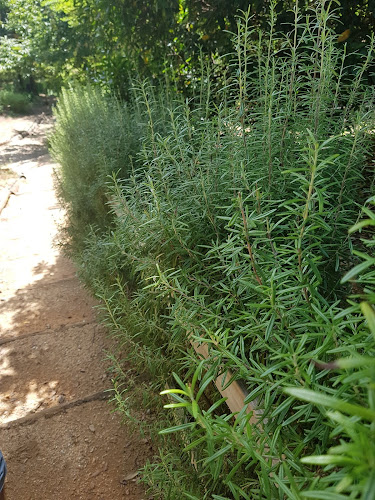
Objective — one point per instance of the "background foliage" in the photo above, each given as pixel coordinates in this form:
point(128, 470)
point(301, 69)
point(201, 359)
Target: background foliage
point(53, 42)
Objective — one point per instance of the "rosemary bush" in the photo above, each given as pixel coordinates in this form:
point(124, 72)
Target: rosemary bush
point(353, 424)
point(94, 136)
point(232, 231)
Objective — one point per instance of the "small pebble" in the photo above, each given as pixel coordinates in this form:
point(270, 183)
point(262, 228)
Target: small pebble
point(130, 476)
point(92, 428)
point(61, 399)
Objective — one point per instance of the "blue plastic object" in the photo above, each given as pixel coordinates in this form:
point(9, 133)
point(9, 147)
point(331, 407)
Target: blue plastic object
point(3, 471)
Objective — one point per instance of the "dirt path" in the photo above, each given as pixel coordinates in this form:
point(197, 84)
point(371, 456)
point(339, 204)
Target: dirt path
point(57, 431)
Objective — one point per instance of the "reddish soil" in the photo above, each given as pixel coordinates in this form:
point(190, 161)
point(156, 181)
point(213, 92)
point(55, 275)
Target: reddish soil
point(52, 348)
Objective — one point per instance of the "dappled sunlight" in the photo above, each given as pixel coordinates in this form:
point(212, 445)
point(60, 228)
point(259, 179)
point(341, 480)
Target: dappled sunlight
point(48, 296)
point(51, 357)
point(36, 396)
point(5, 369)
point(33, 376)
point(34, 301)
point(39, 294)
point(19, 274)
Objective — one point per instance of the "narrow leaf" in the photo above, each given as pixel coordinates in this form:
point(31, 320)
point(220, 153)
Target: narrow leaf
point(357, 270)
point(369, 314)
point(331, 402)
point(177, 428)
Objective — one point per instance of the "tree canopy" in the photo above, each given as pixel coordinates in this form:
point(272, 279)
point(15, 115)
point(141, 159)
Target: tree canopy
point(59, 40)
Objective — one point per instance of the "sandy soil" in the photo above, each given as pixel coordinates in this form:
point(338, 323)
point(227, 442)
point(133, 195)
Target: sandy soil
point(58, 442)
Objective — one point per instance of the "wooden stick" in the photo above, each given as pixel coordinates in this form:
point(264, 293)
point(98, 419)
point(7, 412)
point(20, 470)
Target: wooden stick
point(235, 394)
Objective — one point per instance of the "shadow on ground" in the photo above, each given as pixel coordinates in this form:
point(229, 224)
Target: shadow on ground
point(13, 154)
point(54, 306)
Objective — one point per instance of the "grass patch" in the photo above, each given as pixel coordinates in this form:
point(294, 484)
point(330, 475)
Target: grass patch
point(14, 102)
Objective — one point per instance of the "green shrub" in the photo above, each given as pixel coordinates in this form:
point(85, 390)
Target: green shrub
point(94, 136)
point(233, 230)
point(14, 102)
point(349, 466)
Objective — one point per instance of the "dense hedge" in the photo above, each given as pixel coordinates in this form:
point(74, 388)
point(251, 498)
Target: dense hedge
point(229, 224)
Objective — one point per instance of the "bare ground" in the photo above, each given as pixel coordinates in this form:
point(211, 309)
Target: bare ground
point(58, 432)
